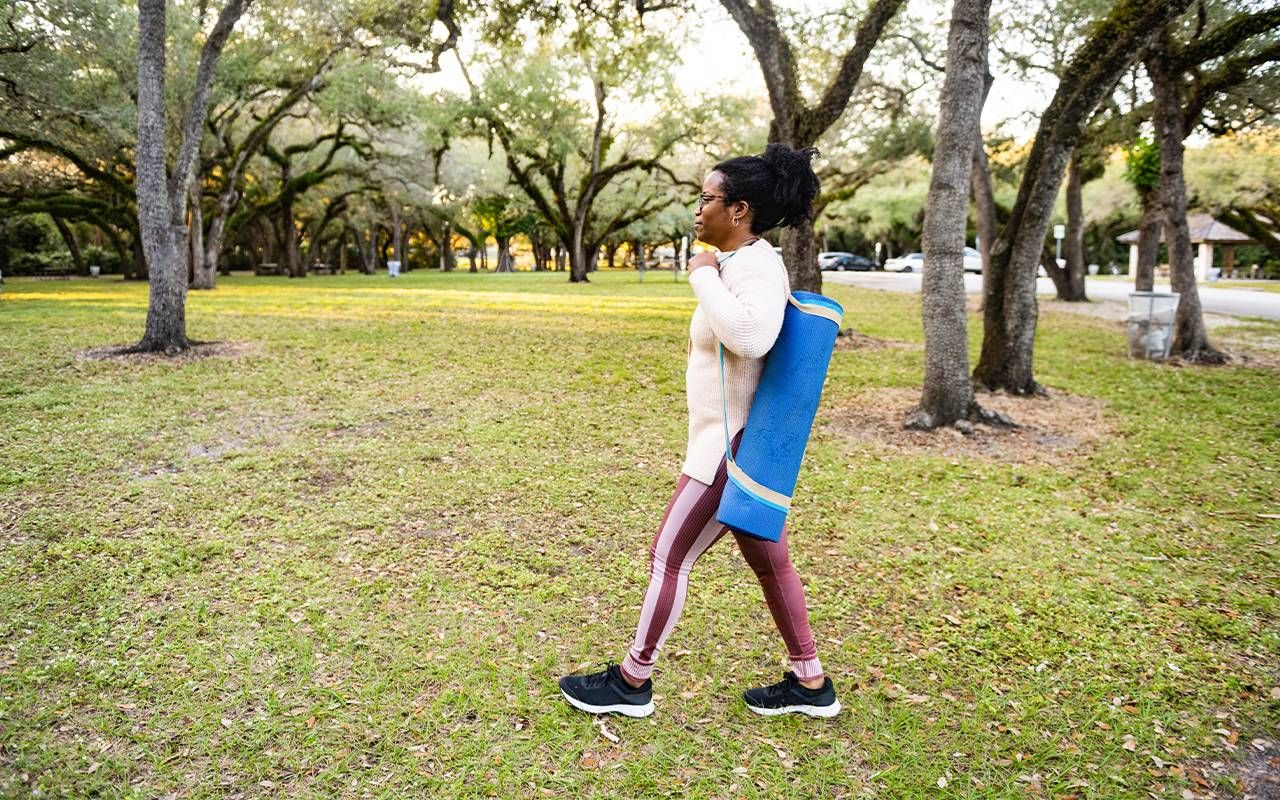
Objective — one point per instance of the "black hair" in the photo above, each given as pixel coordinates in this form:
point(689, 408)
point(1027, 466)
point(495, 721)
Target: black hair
point(778, 184)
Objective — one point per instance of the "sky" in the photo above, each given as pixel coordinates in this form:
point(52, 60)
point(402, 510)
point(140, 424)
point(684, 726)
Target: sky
point(717, 56)
point(720, 55)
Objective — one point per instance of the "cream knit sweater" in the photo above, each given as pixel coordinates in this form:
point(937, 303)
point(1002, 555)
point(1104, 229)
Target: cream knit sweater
point(742, 306)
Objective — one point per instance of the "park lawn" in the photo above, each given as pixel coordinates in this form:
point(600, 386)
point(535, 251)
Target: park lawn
point(1257, 286)
point(352, 559)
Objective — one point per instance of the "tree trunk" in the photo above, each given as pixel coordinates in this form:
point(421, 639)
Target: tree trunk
point(1009, 315)
point(69, 239)
point(1190, 339)
point(1144, 277)
point(397, 232)
point(166, 328)
point(540, 255)
point(984, 202)
point(801, 258)
point(162, 204)
point(578, 255)
point(448, 259)
point(948, 393)
point(195, 245)
point(370, 252)
point(1061, 282)
point(506, 262)
point(1073, 245)
point(289, 227)
point(610, 250)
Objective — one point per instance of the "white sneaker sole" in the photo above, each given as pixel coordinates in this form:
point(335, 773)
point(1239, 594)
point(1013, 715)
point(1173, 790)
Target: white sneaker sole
point(825, 712)
point(625, 709)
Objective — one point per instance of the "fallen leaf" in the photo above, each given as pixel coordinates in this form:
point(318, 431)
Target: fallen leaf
point(608, 734)
point(942, 781)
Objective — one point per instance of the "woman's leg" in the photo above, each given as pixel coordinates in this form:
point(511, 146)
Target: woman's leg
point(785, 596)
point(687, 530)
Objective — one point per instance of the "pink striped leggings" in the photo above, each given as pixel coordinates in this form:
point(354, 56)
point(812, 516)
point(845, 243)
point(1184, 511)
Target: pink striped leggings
point(688, 530)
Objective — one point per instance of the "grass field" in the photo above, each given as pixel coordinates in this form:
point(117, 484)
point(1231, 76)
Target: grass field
point(350, 556)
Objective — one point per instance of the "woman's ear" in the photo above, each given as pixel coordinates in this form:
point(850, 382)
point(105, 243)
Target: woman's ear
point(740, 211)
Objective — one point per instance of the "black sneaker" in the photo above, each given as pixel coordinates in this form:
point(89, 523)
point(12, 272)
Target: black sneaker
point(789, 696)
point(607, 693)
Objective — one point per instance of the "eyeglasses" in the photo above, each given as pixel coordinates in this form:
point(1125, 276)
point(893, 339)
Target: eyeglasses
point(703, 199)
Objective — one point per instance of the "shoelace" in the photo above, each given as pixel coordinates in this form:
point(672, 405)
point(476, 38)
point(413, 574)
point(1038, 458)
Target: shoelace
point(599, 679)
point(778, 689)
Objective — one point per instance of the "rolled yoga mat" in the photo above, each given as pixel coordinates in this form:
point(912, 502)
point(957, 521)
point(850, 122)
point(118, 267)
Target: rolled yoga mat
point(763, 475)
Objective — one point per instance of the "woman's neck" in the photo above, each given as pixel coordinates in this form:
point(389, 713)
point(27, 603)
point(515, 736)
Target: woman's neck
point(739, 243)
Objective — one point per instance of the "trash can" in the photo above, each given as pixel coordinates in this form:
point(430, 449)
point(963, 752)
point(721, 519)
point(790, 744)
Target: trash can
point(1151, 316)
point(393, 268)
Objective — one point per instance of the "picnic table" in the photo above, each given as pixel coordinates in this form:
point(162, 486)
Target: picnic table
point(269, 268)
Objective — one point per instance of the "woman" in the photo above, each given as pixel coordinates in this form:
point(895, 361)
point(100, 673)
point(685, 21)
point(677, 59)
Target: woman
point(742, 295)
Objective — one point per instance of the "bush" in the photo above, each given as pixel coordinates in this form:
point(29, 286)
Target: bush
point(34, 263)
point(21, 239)
point(106, 258)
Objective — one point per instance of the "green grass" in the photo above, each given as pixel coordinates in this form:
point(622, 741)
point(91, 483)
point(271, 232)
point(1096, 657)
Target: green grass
point(352, 562)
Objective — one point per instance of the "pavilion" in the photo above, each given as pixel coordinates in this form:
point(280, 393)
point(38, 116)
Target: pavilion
point(1205, 232)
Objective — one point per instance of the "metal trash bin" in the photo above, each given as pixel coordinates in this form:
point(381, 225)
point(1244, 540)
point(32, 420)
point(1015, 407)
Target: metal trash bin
point(1151, 316)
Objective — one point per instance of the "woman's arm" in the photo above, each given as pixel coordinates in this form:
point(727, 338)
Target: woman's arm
point(748, 317)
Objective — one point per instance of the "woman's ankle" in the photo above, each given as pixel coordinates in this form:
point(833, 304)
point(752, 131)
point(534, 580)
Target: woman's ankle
point(814, 683)
point(628, 680)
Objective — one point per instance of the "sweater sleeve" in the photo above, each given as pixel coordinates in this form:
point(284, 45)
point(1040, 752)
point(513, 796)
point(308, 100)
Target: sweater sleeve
point(747, 316)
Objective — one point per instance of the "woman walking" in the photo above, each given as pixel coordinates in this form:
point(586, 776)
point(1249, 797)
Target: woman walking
point(742, 296)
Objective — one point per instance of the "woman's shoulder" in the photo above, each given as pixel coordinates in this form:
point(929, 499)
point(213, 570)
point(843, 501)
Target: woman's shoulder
point(760, 259)
point(760, 255)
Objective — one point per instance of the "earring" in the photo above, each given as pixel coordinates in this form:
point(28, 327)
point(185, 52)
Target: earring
point(735, 222)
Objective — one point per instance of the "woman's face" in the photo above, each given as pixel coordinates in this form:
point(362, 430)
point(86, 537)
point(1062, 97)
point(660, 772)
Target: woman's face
point(713, 220)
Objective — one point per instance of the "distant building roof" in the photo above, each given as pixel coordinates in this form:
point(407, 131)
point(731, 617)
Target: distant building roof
point(1204, 228)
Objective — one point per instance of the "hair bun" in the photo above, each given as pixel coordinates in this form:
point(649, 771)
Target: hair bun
point(779, 185)
point(788, 161)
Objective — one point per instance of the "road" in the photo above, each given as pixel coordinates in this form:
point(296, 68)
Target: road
point(1233, 302)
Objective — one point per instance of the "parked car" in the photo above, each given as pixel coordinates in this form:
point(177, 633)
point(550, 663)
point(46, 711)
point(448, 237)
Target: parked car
point(972, 260)
point(842, 261)
point(911, 262)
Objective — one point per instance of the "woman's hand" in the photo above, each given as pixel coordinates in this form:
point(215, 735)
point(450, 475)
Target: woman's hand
point(704, 259)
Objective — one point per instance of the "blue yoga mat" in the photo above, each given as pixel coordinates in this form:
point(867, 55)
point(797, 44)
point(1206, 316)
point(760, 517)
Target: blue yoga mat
point(762, 477)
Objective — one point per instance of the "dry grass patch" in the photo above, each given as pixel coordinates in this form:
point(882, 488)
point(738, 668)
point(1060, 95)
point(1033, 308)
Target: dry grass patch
point(850, 339)
point(1052, 428)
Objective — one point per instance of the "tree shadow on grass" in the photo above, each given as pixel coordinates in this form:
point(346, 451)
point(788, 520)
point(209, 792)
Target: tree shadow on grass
point(198, 351)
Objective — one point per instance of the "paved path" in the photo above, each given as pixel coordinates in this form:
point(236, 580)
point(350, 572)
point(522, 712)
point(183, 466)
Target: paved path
point(1234, 302)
